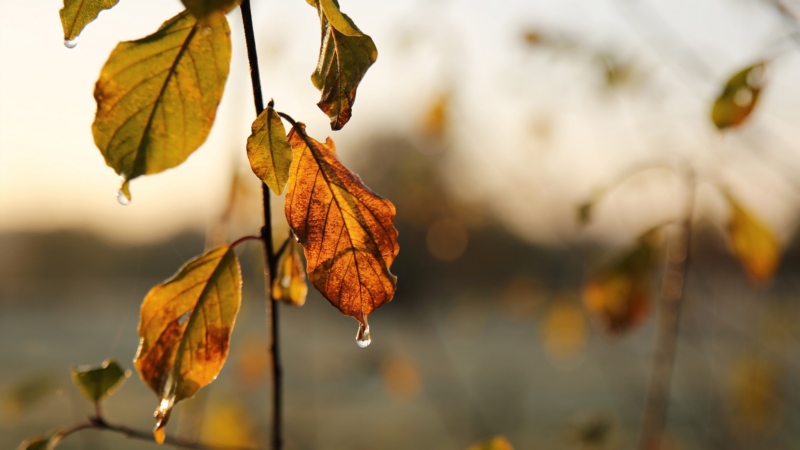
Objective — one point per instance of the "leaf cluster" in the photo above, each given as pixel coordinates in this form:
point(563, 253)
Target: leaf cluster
point(157, 99)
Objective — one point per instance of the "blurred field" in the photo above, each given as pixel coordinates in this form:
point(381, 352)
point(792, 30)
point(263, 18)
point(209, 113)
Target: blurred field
point(454, 359)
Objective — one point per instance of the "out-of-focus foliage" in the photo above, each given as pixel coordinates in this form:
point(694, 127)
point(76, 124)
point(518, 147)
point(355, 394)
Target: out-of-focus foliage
point(29, 391)
point(754, 404)
point(229, 425)
point(157, 97)
point(345, 55)
point(619, 296)
point(564, 333)
point(496, 443)
point(185, 327)
point(447, 239)
point(436, 118)
point(98, 382)
point(268, 150)
point(752, 243)
point(401, 376)
point(347, 230)
point(595, 433)
point(251, 362)
point(76, 14)
point(739, 96)
point(290, 278)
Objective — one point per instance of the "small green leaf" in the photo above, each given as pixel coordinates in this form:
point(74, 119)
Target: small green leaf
point(29, 391)
point(46, 442)
point(185, 329)
point(157, 97)
point(345, 55)
point(202, 9)
point(98, 382)
point(739, 96)
point(76, 14)
point(269, 151)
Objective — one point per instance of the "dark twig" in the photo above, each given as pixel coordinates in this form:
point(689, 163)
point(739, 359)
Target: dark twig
point(98, 423)
point(266, 236)
point(672, 291)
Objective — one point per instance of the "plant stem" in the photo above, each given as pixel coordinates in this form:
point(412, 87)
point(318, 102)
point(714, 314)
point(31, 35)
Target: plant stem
point(266, 237)
point(98, 423)
point(672, 291)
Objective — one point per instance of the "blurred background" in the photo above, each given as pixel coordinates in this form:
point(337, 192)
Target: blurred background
point(527, 145)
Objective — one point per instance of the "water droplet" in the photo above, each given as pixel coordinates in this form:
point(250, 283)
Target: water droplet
point(363, 338)
point(122, 199)
point(71, 43)
point(124, 194)
point(286, 281)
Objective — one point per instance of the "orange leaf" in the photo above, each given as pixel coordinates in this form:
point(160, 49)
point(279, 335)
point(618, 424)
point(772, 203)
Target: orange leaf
point(185, 327)
point(619, 295)
point(346, 229)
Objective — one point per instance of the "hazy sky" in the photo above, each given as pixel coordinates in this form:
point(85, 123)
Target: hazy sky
point(536, 129)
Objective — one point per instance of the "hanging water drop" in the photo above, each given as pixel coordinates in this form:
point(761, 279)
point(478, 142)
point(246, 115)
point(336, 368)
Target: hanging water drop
point(363, 338)
point(122, 198)
point(71, 43)
point(124, 194)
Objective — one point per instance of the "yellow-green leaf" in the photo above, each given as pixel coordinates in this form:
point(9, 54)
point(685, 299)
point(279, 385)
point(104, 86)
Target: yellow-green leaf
point(619, 296)
point(76, 14)
point(157, 97)
point(340, 22)
point(202, 9)
point(345, 55)
point(269, 151)
point(97, 382)
point(185, 326)
point(290, 278)
point(496, 443)
point(755, 246)
point(739, 96)
point(346, 229)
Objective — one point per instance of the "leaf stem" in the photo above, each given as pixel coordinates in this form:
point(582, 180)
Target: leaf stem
point(672, 292)
point(98, 423)
point(251, 237)
point(290, 120)
point(266, 237)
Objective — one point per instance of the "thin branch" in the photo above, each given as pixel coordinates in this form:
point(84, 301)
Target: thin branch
point(291, 121)
point(244, 239)
point(98, 423)
point(266, 236)
point(672, 293)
